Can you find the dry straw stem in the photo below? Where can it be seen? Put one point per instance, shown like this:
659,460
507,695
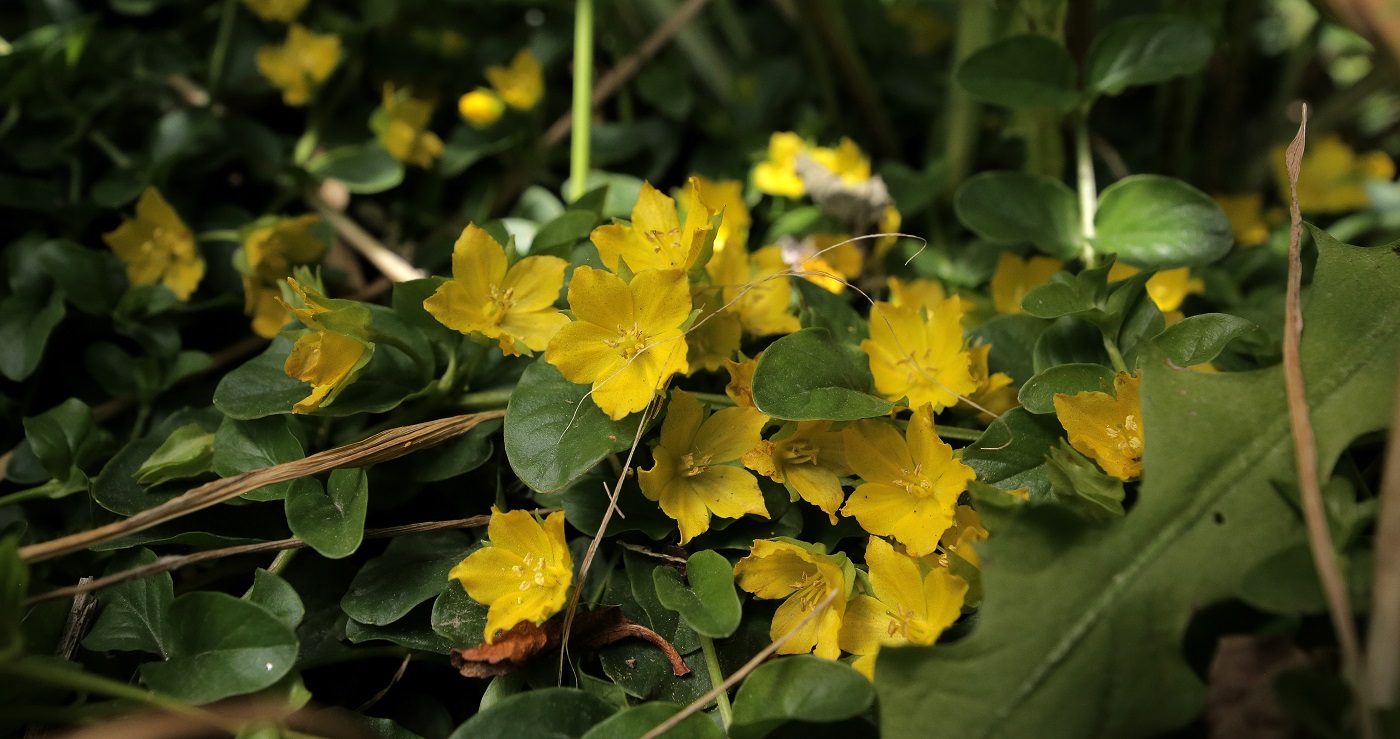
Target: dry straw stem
1383,640
382,257
1329,571
381,447
740,673
168,564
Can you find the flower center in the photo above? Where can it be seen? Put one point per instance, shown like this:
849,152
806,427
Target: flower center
692,466
909,625
914,482
664,239
629,342
500,305
799,451
1128,437
810,591
538,572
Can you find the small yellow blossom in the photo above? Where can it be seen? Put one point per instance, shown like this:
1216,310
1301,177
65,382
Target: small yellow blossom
809,459
828,260
401,125
1015,277
910,483
481,107
756,289
918,353
1168,288
330,355
300,64
890,221
696,472
284,11
1106,428
995,391
512,304
271,248
523,574
725,196
845,161
966,531
1333,176
777,175
626,339
740,387
803,577
520,85
1246,214
905,607
157,247
655,238
717,332
915,293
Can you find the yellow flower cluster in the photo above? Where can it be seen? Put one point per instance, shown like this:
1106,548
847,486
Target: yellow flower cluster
300,64
401,125
157,247
271,248
520,85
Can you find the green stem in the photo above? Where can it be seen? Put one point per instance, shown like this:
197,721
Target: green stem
220,53
143,415
486,400
832,25
957,432
223,234
731,26
726,714
1088,188
112,151
281,561
714,399
1114,355
35,493
976,22
583,99
48,672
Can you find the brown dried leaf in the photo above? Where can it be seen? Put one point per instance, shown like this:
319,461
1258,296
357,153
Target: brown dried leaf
512,649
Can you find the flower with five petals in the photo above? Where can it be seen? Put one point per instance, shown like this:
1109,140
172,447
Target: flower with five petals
905,606
521,84
918,353
300,64
809,459
803,576
656,239
523,574
158,247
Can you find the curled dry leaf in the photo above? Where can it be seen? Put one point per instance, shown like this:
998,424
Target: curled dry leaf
598,628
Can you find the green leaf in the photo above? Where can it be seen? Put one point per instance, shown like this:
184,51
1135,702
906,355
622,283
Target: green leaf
557,238
261,387
116,489
1069,295
1285,582
1105,658
1068,340
1038,394
26,322
585,503
1013,338
135,614
187,452
411,570
468,145
243,446
456,456
553,434
1158,222
1198,339
810,375
1145,50
1021,72
331,522
222,647
822,308
710,604
458,618
65,440
638,720
799,688
363,168
1018,208
1081,486
1011,453
551,713
278,597
413,631
88,278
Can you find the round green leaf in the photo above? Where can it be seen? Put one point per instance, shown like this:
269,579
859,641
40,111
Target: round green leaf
1017,208
1021,72
710,604
638,720
1145,50
363,168
554,434
809,375
222,647
1161,223
458,618
1011,453
243,446
800,688
331,522
552,713
278,597
1038,394
411,570
1198,339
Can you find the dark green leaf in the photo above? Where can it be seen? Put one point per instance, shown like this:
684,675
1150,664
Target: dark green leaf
243,446
89,279
1079,484
557,238
821,308
26,321
810,375
116,488
554,434
261,387
709,604
411,570
1067,340
187,452
1038,394
1017,208
1021,72
1285,582
551,713
1161,223
585,501
468,145
638,720
1013,339
222,647
331,522
1145,50
1011,454
458,618
277,597
412,631
65,439
1068,295
457,456
799,688
363,168
1198,339
136,614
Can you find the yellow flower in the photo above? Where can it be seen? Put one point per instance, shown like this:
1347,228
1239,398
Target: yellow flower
740,387
330,355
756,289
1246,214
915,293
845,161
918,353
300,64
725,196
655,238
803,576
1168,288
1333,176
1106,428
270,249
695,473
157,247
1015,277
910,484
716,334
521,84
828,260
523,574
966,530
890,221
512,304
995,391
285,11
626,339
481,107
904,607
777,175
809,459
401,125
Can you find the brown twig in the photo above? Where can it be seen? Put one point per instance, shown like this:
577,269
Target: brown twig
381,447
1324,553
386,260
1383,638
609,83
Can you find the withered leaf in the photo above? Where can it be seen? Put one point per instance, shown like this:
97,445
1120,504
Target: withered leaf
512,650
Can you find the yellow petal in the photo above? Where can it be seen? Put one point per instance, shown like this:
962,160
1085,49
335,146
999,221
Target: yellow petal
866,626
773,567
602,298
818,486
535,282
534,329
886,510
820,635
895,577
517,532
662,299
729,433
683,418
478,262
729,492
875,451
490,574
580,354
